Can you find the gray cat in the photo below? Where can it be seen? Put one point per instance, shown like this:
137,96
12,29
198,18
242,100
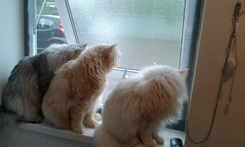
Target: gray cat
30,79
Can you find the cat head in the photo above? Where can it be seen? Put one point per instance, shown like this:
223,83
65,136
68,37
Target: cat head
58,54
183,72
165,87
110,55
171,78
104,55
75,50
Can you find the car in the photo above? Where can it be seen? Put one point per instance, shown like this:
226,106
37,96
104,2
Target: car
49,30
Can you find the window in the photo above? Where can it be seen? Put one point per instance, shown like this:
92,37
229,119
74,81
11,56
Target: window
209,67
147,31
49,28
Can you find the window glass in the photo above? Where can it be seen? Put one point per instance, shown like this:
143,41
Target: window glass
147,30
49,7
49,29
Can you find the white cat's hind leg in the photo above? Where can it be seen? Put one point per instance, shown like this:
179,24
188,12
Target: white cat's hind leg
145,135
133,142
155,135
89,120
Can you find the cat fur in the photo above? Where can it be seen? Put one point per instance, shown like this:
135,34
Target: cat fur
30,79
74,93
138,106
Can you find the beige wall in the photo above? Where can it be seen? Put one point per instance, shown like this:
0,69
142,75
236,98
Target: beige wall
229,125
12,37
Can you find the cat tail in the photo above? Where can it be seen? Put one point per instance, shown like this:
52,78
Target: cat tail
7,118
103,138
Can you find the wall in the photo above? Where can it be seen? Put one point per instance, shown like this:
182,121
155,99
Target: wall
228,129
12,37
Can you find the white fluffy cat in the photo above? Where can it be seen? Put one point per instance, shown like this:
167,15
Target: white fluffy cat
138,106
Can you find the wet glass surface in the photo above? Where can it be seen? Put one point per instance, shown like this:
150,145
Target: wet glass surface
147,30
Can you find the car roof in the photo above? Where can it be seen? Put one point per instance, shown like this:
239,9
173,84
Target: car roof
51,16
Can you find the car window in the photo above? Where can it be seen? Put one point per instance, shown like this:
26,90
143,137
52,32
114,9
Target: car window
45,23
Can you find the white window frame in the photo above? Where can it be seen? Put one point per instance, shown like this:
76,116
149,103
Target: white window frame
67,19
65,16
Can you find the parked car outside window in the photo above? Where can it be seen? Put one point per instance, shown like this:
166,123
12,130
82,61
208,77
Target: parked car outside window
49,30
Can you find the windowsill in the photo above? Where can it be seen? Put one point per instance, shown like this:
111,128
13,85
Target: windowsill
87,136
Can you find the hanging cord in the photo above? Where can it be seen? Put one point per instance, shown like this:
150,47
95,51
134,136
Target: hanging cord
231,46
234,52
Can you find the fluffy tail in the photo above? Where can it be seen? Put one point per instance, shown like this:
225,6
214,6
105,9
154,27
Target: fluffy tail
8,118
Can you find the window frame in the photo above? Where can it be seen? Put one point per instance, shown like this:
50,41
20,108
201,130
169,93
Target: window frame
30,39
67,21
191,27
204,87
189,45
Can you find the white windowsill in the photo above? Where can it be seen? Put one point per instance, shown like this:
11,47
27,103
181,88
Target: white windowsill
87,136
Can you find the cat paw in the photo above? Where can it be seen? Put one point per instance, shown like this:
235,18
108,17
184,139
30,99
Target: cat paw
159,140
36,119
77,130
91,124
97,116
149,142
133,142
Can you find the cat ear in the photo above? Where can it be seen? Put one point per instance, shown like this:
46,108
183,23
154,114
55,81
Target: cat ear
85,46
183,72
155,64
78,52
113,47
82,48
